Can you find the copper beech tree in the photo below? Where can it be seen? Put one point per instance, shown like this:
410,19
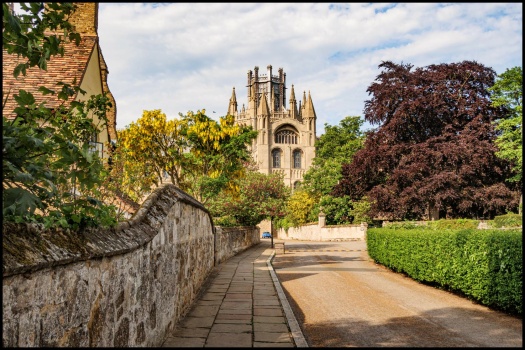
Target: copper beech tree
433,152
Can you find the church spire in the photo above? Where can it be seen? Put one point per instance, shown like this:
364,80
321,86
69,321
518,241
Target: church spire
232,108
293,105
252,106
309,111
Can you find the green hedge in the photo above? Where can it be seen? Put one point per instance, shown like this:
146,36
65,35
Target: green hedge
454,224
484,265
508,220
442,224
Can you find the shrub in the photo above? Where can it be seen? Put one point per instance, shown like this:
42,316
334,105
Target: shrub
454,224
225,221
484,265
508,220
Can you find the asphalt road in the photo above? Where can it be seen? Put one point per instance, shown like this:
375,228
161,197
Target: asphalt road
341,298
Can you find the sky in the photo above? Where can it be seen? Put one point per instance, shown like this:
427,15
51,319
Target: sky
180,57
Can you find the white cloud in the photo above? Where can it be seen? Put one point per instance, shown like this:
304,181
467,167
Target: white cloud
187,56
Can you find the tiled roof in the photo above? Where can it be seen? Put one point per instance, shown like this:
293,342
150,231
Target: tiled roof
59,68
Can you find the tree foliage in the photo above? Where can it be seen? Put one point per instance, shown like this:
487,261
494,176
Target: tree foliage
300,208
50,174
152,149
336,146
23,35
194,152
336,209
260,197
218,154
434,147
508,92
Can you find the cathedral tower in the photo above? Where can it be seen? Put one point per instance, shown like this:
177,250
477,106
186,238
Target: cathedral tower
286,134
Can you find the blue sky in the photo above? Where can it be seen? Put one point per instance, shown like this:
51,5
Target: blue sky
180,57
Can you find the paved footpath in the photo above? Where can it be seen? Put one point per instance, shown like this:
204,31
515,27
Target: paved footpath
242,305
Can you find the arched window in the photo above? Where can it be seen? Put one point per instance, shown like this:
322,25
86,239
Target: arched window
287,135
296,185
276,158
297,159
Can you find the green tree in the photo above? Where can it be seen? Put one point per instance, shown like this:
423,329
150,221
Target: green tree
508,92
49,173
336,146
218,153
260,197
336,209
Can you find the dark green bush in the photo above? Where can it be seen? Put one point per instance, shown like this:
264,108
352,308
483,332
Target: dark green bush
484,265
508,220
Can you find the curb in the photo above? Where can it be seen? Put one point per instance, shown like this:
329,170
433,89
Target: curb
300,341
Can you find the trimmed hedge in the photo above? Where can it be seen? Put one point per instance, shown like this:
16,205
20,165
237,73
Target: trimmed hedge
484,265
454,224
508,220
442,224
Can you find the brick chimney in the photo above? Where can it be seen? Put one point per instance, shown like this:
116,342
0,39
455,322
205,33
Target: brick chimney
85,18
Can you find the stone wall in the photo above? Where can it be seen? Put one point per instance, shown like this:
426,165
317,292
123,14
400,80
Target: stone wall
230,241
316,232
120,287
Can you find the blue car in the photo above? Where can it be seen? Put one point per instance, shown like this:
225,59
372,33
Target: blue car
267,235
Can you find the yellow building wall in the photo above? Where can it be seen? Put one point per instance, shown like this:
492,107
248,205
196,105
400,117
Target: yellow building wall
92,84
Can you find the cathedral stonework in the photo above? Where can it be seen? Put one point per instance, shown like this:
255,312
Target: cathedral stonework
286,134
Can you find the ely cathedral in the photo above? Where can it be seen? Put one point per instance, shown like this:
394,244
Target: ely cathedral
286,132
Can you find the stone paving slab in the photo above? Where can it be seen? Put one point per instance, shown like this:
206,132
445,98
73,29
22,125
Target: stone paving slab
259,311
176,342
257,344
230,340
195,332
273,337
205,310
235,312
269,319
231,328
270,327
205,322
266,302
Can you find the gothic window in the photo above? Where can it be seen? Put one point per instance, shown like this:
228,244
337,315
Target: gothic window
276,158
297,159
286,136
296,185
